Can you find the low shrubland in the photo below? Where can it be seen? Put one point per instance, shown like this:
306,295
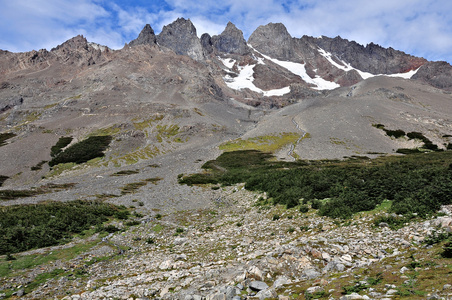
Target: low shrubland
81,152
26,227
416,183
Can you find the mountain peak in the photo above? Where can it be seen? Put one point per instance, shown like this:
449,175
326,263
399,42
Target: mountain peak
274,40
180,36
146,37
231,40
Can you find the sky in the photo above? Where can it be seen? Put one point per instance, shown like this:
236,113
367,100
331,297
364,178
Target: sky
418,27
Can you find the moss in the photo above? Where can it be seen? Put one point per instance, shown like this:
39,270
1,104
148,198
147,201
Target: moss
166,132
142,125
268,143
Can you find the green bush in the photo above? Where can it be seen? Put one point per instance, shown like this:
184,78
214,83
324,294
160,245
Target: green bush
81,152
27,227
62,142
4,137
304,208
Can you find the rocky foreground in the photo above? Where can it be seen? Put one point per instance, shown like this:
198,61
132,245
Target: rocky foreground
241,251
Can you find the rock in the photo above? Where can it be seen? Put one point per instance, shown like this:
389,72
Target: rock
180,241
217,296
9,103
391,292
314,289
316,253
334,265
280,281
326,256
167,264
206,43
403,270
268,293
230,41
254,273
180,36
20,293
438,74
258,285
273,40
447,287
434,297
352,296
383,224
311,273
146,37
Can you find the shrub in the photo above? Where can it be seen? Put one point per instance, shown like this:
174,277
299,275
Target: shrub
275,217
304,208
62,142
81,152
4,137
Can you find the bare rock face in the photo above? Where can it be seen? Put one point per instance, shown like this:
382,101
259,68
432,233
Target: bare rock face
206,42
230,41
438,74
146,37
180,36
274,40
371,58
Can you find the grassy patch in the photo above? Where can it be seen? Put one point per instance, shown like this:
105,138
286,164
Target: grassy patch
268,143
125,172
166,132
9,268
134,186
44,189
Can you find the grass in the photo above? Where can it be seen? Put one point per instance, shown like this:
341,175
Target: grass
24,262
142,125
134,186
166,132
268,143
125,172
44,189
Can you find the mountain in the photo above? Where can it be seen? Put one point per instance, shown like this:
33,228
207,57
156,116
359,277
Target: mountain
83,121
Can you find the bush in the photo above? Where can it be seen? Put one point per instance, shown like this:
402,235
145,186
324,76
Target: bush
304,208
62,142
81,152
27,227
275,217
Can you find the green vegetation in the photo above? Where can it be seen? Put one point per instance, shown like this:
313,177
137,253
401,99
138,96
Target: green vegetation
83,151
134,186
4,137
165,132
269,143
27,227
125,172
416,183
38,165
428,145
44,189
62,142
3,179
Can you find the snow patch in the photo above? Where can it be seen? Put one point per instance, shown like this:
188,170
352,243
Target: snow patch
227,62
300,70
245,79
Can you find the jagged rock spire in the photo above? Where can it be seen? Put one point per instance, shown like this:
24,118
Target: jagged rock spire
146,37
231,40
180,36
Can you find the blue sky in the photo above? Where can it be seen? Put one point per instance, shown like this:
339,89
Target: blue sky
418,27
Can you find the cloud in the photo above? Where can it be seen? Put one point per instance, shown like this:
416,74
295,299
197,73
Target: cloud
418,27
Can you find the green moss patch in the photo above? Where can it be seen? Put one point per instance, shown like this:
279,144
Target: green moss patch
268,143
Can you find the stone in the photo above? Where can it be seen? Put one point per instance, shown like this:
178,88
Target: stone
352,296
230,41
254,273
447,287
258,285
180,241
217,296
311,273
165,265
180,36
146,37
268,293
280,281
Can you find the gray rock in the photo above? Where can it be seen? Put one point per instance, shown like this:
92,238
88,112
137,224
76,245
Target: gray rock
268,293
217,296
180,36
230,41
258,285
146,37
311,273
280,281
273,40
334,265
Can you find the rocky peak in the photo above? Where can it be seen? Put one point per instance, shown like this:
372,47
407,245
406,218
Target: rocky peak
180,36
146,37
373,58
231,40
76,43
273,39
